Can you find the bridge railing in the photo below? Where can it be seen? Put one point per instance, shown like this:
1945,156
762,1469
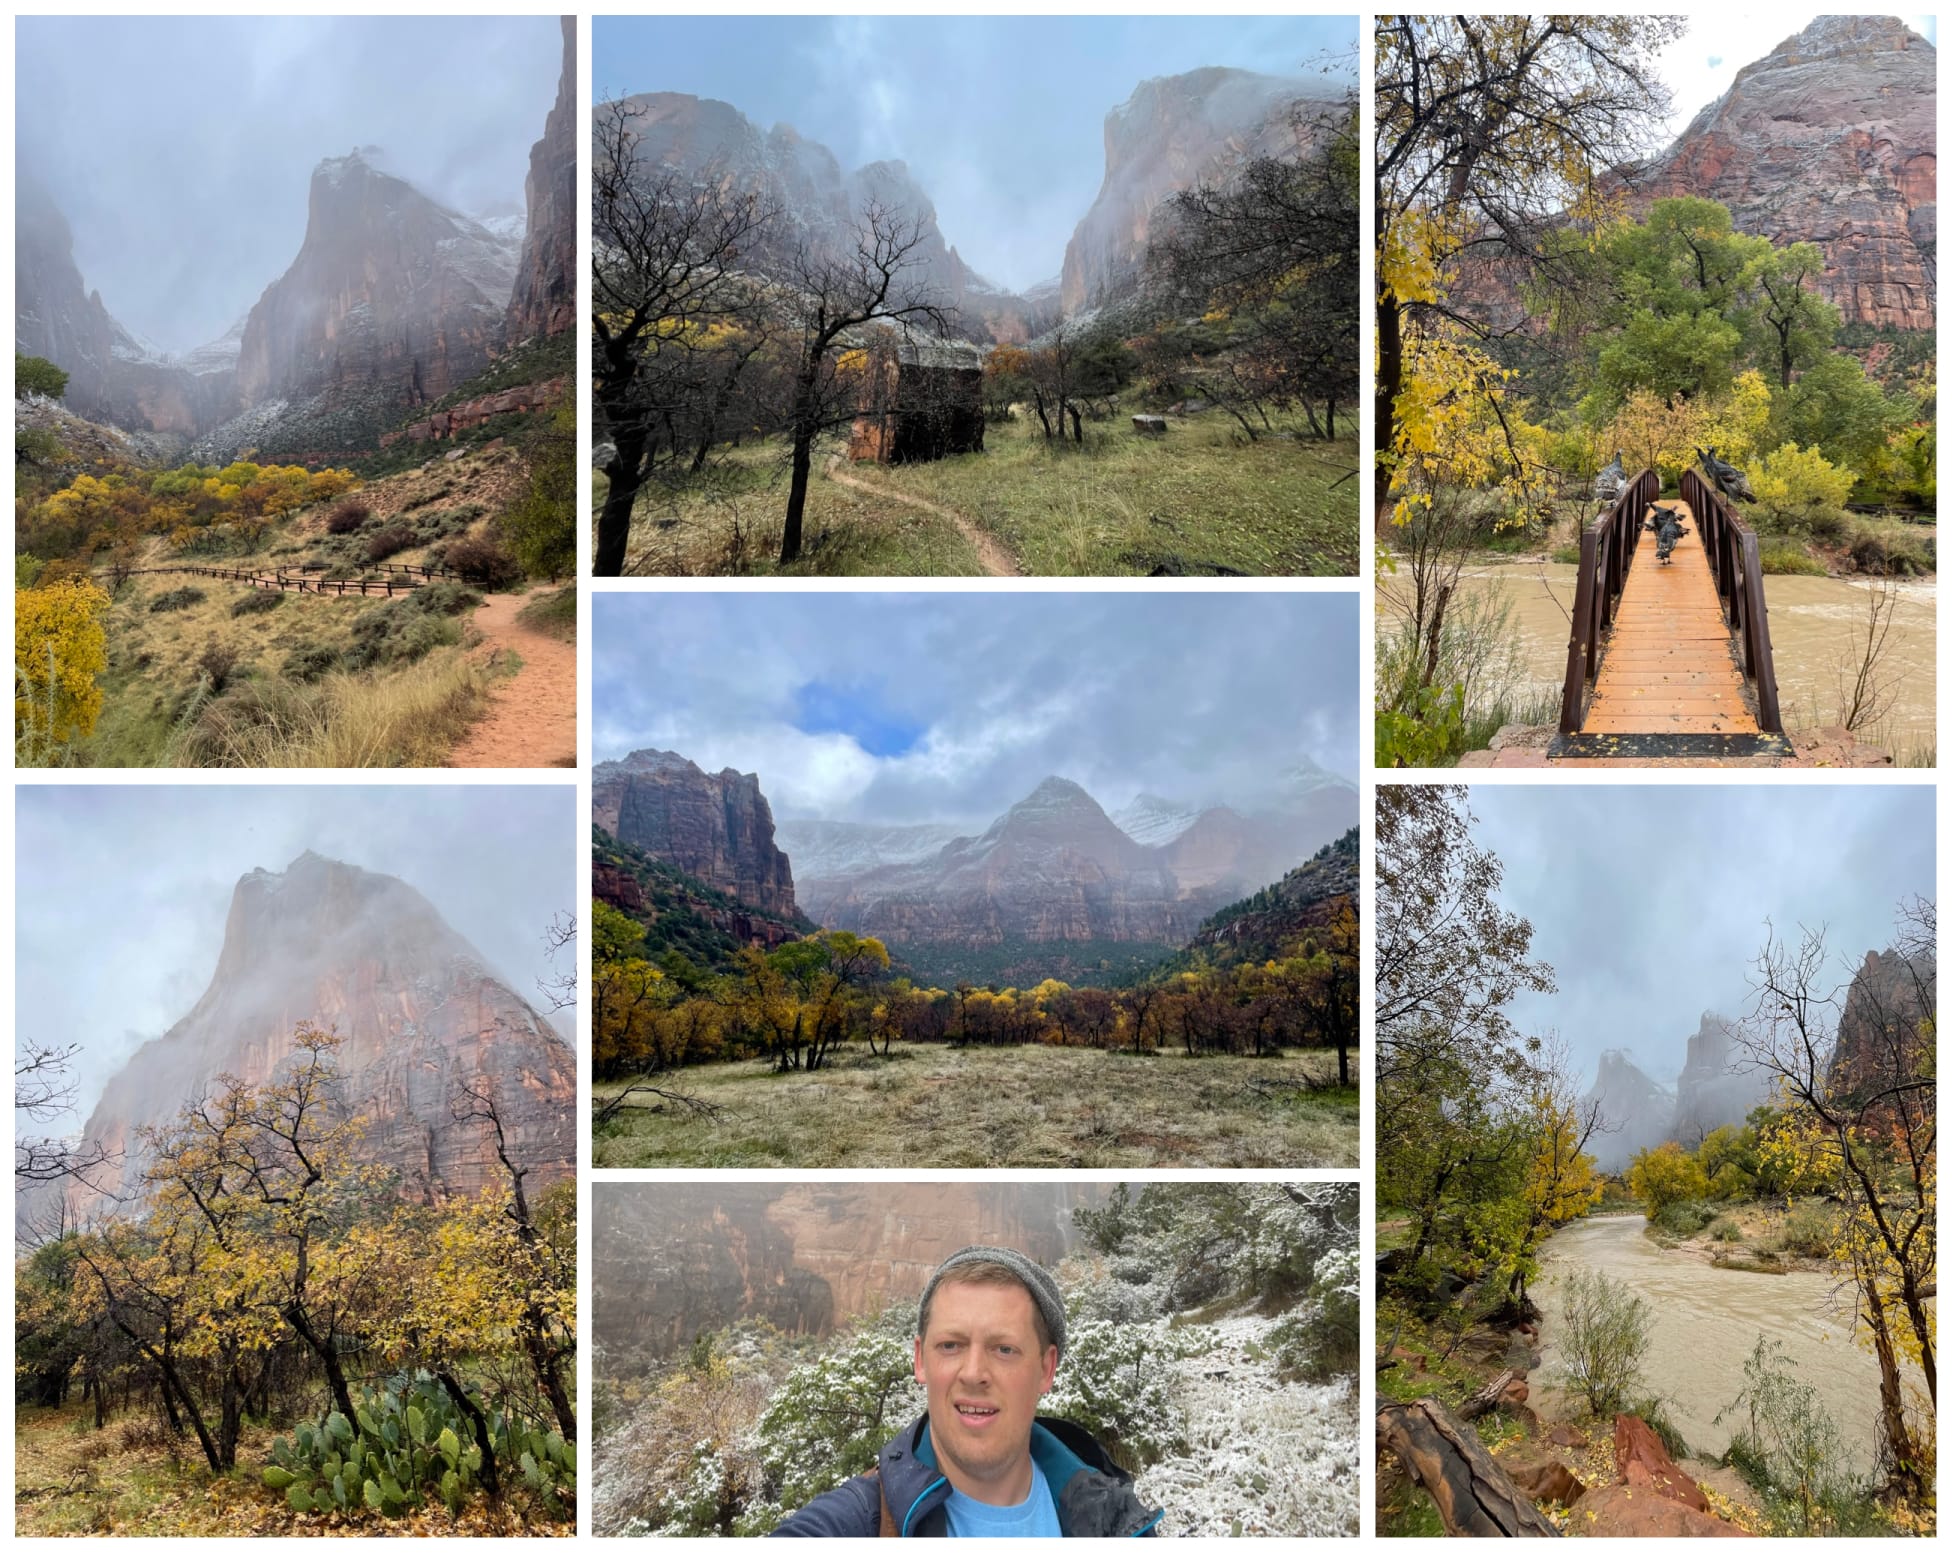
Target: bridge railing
1606,551
1735,559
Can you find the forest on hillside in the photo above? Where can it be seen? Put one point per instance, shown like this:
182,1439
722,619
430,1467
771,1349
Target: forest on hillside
1213,1335
258,1336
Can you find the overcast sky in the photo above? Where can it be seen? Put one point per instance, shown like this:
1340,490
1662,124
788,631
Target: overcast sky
1650,903
181,149
1001,119
1701,65
121,892
949,707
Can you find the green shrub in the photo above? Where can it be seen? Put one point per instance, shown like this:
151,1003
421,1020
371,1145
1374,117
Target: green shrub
405,629
1685,1218
259,601
175,599
1323,1339
217,663
38,375
1605,1339
1786,558
1727,1231
1809,1230
1788,1444
311,662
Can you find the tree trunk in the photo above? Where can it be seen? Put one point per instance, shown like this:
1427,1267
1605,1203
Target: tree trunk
804,430
328,1355
1472,1492
547,1364
1389,384
626,480
1077,424
490,1478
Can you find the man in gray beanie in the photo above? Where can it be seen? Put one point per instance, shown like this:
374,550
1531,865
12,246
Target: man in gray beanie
981,1463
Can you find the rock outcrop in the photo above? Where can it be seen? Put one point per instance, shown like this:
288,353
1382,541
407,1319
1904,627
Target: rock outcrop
1883,1033
1831,138
1171,133
477,412
616,885
544,301
675,1261
418,1015
718,829
1635,1112
390,292
1718,1086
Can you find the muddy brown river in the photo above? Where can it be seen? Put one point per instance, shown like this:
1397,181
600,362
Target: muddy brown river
1812,621
1706,1321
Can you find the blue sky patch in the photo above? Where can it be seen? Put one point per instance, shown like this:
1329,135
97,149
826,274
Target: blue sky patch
857,711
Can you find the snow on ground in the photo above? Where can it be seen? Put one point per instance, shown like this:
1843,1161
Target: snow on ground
1266,1458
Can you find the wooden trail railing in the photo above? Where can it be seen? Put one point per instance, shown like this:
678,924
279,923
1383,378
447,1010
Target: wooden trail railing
1606,552
281,579
1735,559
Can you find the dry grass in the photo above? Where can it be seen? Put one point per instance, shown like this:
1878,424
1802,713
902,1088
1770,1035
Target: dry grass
410,717
1031,1106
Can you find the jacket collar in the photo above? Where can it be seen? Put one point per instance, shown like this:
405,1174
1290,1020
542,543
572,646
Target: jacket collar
916,1488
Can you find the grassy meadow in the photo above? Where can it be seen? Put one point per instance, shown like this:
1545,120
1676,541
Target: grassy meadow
1200,501
1017,1106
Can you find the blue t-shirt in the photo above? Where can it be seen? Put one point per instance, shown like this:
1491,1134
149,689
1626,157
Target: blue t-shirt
1035,1517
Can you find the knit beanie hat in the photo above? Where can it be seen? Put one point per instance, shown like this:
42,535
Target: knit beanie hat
1038,1284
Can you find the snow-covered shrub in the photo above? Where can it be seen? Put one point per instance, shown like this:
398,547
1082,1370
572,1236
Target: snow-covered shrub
1115,1379
830,1418
1322,1337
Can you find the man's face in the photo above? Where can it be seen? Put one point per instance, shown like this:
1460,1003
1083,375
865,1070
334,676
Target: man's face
985,1373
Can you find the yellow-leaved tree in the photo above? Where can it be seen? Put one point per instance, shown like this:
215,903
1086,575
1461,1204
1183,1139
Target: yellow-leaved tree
59,647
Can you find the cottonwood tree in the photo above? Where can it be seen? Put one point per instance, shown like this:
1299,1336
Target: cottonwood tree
1451,1071
667,291
1863,1113
884,281
1491,131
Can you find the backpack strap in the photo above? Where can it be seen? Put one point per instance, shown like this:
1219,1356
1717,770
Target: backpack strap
888,1526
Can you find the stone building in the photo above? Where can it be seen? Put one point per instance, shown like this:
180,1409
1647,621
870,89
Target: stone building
917,403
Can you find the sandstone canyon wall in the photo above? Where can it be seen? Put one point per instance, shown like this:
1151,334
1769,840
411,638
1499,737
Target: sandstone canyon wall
717,828
417,1012
1831,138
673,1261
1171,133
544,301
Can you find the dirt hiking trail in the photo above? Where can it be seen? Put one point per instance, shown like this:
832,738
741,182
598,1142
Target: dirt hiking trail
531,718
997,561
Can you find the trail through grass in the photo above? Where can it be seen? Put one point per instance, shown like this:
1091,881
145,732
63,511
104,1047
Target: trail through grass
1200,501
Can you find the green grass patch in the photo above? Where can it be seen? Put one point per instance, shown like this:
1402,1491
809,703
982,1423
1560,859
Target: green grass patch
1201,501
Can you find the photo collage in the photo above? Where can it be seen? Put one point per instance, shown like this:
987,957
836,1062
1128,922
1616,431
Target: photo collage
1011,775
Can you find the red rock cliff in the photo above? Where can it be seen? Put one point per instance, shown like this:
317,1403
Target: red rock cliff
417,1012
1831,138
718,829
674,1261
545,280
389,291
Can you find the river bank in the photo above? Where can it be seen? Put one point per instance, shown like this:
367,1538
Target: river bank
1705,1319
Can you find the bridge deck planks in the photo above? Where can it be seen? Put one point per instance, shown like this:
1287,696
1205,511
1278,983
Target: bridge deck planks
1670,664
